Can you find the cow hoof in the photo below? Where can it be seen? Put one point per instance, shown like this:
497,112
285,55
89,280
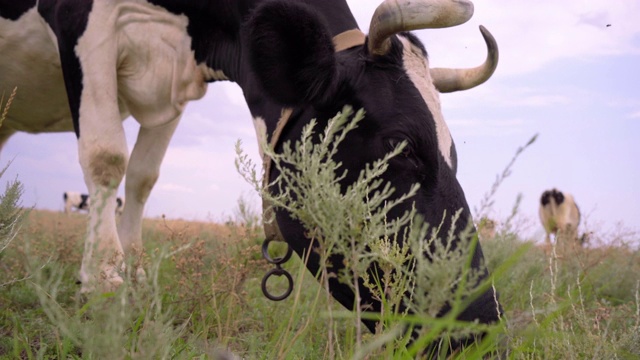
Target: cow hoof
141,276
108,281
112,283
111,279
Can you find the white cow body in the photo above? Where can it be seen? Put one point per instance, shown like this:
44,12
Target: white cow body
37,75
486,228
559,215
75,201
128,48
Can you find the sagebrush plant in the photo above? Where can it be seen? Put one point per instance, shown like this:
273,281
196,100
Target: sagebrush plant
11,213
203,293
11,217
353,222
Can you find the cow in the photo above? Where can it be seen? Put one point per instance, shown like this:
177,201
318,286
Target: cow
75,200
85,65
78,201
560,216
119,205
486,228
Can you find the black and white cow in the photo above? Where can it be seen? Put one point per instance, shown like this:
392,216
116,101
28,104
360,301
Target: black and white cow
75,200
84,65
559,216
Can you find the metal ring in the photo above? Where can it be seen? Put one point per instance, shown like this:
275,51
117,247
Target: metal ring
278,260
278,272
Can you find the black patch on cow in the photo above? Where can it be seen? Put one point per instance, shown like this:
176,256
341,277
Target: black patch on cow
291,50
545,198
68,20
14,9
84,198
119,202
213,27
558,196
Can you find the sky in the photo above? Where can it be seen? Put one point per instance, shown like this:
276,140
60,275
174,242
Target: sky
569,71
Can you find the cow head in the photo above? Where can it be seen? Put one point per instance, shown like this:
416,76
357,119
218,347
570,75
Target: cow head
296,63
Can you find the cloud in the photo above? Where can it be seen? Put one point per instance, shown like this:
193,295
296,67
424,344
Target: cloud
541,100
634,115
174,188
486,127
234,93
530,35
598,19
503,96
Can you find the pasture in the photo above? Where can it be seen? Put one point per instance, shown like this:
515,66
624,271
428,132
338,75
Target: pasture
203,295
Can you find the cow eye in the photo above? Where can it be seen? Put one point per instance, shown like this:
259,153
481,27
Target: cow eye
393,143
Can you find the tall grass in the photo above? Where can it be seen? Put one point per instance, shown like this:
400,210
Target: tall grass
6,105
202,298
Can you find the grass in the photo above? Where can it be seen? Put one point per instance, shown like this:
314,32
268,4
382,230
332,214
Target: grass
203,298
576,305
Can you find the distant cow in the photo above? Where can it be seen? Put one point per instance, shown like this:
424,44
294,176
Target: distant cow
559,215
119,206
75,200
486,228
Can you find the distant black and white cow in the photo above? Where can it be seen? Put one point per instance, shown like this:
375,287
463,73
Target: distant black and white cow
486,228
84,65
75,200
559,215
119,206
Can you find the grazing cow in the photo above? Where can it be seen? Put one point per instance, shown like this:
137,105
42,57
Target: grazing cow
119,206
86,65
486,228
559,215
75,200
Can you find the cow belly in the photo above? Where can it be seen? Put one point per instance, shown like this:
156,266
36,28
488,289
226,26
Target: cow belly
157,72
29,61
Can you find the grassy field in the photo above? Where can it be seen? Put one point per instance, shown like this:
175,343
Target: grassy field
203,298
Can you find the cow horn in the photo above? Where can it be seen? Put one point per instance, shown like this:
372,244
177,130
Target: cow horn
394,16
450,80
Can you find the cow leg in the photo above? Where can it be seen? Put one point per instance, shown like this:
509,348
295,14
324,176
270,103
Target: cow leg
90,72
142,174
67,206
103,160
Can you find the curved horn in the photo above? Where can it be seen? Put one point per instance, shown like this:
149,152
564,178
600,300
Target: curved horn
450,80
394,16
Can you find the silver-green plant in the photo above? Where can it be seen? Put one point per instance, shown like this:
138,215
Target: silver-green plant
131,323
11,212
355,225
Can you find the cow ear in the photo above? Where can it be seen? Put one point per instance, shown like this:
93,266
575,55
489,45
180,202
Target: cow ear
291,53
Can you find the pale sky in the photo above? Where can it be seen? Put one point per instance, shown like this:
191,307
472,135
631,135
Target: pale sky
569,71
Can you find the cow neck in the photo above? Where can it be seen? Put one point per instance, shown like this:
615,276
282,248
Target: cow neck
343,41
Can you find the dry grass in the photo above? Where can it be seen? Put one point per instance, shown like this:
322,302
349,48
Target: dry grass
4,110
571,304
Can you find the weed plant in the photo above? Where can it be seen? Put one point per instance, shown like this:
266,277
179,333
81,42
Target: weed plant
354,225
202,296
